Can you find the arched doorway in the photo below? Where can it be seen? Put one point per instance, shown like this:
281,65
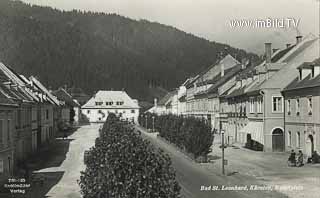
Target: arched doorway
278,140
309,146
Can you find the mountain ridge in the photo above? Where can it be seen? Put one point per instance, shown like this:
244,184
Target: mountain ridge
102,51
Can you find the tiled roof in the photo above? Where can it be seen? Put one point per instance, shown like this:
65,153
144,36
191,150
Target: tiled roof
308,81
63,95
111,96
52,99
167,97
6,99
307,50
281,53
228,61
230,73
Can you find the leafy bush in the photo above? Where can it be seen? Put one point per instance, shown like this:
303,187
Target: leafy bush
123,165
188,133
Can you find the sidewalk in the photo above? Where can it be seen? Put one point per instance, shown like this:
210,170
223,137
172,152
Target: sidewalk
270,168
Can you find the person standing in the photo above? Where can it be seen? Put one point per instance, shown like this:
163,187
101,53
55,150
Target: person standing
292,158
299,161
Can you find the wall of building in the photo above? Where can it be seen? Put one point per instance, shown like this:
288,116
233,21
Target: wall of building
304,124
7,135
100,115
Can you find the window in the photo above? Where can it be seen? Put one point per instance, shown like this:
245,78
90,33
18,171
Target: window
259,108
1,130
120,103
310,105
300,74
276,104
298,141
8,131
88,111
289,107
99,103
298,106
251,109
289,139
312,72
1,166
47,114
109,103
133,111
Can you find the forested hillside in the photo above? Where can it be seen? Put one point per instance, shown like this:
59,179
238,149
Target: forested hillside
101,51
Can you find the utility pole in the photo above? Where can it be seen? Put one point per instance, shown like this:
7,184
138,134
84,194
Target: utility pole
152,123
222,145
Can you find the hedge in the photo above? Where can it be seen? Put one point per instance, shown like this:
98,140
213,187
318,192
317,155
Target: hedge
123,165
188,133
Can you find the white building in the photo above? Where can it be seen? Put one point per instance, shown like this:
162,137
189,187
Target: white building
105,102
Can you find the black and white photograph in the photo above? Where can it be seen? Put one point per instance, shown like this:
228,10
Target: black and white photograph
159,98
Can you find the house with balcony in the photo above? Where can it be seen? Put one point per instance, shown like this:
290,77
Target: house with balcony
105,102
302,109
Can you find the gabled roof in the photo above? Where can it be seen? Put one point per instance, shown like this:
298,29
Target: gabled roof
63,95
220,80
228,62
9,75
164,100
5,98
111,96
44,90
306,50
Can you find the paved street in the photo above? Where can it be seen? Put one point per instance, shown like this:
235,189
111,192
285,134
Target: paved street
270,168
192,176
67,186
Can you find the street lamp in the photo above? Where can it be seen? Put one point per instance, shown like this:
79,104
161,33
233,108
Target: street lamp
141,120
153,123
222,145
146,121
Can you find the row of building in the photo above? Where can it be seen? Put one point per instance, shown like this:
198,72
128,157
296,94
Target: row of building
272,106
30,116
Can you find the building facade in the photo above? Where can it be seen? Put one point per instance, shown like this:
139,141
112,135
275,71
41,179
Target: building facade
105,102
302,109
7,136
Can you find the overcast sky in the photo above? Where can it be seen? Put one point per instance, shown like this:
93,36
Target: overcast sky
211,18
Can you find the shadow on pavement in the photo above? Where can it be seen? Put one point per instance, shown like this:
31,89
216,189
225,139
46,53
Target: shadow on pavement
69,132
52,156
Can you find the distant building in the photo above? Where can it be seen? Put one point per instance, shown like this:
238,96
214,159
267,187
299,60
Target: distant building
203,91
78,94
302,109
71,109
166,105
105,102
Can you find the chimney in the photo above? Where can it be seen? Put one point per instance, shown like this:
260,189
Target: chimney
298,39
243,63
222,70
288,45
268,52
155,102
274,50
